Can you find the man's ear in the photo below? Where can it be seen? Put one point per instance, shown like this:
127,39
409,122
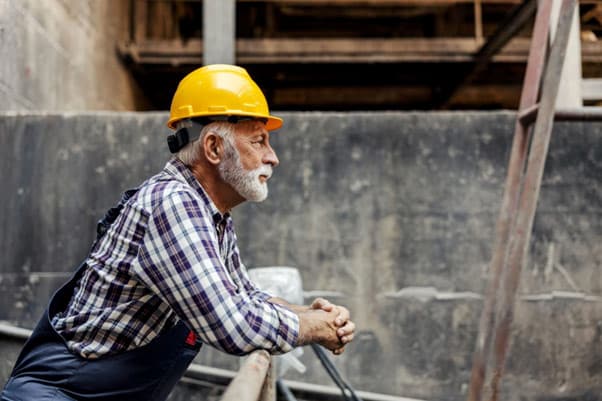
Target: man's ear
213,147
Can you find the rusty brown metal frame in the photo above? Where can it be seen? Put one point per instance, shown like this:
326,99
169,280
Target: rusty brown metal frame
521,193
529,115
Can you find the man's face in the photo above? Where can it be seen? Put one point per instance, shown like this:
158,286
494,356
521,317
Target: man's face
248,162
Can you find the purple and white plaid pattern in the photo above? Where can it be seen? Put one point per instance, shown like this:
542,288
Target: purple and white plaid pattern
171,255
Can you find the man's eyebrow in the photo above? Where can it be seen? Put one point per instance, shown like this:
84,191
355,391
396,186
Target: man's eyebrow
261,135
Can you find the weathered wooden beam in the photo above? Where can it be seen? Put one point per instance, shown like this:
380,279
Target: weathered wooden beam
389,2
402,95
383,2
248,383
267,51
140,20
478,20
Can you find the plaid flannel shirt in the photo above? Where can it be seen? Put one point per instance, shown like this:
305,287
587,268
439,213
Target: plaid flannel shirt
171,255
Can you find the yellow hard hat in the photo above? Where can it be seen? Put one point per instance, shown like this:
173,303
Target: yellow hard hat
220,90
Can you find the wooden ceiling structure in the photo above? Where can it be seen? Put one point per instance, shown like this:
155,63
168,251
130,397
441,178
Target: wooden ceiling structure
357,54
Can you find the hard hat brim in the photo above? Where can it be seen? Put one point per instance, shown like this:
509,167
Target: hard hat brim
272,122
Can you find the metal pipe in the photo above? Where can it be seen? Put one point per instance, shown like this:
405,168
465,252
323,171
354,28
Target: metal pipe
208,373
11,331
285,391
200,374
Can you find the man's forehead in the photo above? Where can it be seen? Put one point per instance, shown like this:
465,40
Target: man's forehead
251,127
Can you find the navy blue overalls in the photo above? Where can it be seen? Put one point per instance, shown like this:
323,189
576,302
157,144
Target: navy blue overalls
47,370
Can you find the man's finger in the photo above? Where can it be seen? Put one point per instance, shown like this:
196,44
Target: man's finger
343,316
348,328
347,339
321,303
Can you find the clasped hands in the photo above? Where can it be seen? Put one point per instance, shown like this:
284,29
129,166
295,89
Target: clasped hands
338,319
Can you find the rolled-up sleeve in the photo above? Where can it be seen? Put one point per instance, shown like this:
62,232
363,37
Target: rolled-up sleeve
179,260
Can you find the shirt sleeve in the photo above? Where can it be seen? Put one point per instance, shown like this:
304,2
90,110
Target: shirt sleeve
179,260
243,275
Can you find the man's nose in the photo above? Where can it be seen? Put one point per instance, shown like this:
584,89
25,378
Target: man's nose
270,157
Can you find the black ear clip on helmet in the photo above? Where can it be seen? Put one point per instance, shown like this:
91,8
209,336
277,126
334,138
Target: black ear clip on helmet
178,140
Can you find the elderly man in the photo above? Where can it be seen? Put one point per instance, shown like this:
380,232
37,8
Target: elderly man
164,275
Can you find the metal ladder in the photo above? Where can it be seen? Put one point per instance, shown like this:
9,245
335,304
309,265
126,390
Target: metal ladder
533,128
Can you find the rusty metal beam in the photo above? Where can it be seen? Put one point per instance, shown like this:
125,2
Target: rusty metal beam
529,115
520,237
530,92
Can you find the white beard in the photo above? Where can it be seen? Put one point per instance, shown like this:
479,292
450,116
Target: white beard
246,183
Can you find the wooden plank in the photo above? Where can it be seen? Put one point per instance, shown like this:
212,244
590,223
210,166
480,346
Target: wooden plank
402,95
248,382
342,50
388,2
344,96
140,20
382,2
478,20
163,25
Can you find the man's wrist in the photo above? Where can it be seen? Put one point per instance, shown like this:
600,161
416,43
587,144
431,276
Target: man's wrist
292,307
309,331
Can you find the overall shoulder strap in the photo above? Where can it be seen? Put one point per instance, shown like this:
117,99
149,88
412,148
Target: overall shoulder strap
111,215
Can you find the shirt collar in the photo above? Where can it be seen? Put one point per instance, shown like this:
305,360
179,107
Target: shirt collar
176,168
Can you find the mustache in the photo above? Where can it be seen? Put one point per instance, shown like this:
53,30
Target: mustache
266,170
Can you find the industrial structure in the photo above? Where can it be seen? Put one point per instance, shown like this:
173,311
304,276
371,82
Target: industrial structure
353,54
389,191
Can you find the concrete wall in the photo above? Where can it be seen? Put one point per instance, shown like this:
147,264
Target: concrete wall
374,209
60,55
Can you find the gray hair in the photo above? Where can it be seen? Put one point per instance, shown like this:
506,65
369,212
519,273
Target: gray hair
191,153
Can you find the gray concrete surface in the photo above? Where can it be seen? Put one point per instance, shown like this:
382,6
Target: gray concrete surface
61,55
391,214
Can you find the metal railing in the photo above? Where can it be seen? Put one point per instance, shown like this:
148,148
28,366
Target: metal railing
255,380
263,374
